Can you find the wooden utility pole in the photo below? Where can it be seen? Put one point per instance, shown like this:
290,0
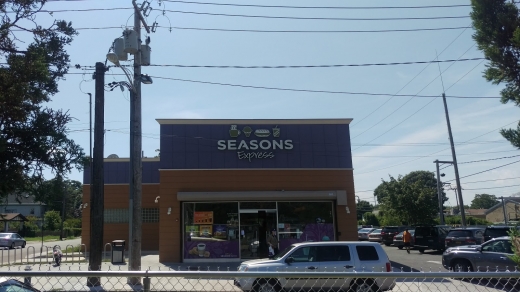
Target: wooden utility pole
97,182
136,163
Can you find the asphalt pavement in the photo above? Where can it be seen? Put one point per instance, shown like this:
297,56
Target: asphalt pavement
415,261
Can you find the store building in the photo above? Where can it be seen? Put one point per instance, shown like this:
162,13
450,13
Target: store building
221,186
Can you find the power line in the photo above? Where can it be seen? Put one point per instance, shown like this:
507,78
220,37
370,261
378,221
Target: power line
313,66
308,90
409,156
493,188
486,170
318,18
489,159
473,182
320,7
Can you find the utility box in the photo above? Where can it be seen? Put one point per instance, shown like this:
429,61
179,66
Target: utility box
118,252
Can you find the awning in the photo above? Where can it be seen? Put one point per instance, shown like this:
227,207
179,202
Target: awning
338,195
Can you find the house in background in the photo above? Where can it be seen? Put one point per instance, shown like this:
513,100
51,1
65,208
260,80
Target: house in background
495,214
23,204
476,213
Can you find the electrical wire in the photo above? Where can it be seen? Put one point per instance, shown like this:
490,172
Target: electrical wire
492,188
319,7
473,182
313,66
482,160
485,170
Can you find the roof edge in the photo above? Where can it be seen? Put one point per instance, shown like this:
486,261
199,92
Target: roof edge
254,121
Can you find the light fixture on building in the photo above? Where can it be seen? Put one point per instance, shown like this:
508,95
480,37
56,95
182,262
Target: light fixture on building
169,210
347,209
157,199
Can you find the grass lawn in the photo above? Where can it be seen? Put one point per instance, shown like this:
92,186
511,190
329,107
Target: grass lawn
45,238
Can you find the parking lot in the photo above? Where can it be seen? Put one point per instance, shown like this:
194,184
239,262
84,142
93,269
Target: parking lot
414,261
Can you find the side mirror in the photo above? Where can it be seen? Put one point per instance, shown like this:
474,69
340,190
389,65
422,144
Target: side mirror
479,248
289,260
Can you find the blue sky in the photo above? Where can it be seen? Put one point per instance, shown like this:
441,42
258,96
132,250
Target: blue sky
391,135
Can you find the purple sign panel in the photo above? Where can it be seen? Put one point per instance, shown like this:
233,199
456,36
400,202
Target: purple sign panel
240,145
210,249
312,232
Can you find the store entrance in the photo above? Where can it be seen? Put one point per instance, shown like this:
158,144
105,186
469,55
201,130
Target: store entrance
254,229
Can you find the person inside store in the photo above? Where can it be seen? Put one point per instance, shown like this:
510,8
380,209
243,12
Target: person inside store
272,241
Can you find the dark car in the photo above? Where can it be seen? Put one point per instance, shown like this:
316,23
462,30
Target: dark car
388,233
493,255
496,231
464,236
15,285
430,237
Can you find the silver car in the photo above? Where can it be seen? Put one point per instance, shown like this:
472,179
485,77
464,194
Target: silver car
363,233
11,240
493,255
325,256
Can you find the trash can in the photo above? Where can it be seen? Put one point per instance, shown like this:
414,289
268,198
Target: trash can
118,252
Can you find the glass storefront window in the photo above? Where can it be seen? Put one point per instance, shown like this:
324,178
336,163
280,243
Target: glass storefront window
304,221
211,230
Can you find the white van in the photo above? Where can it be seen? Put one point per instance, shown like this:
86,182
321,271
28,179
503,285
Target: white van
327,256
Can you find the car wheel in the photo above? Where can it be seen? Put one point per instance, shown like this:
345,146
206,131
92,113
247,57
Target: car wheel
23,244
421,250
400,247
12,245
461,266
363,285
264,285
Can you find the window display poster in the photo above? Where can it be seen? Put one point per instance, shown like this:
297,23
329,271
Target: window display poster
220,231
211,249
206,230
203,217
193,230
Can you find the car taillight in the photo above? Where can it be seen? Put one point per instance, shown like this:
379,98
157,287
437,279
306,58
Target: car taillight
382,233
388,267
395,237
469,240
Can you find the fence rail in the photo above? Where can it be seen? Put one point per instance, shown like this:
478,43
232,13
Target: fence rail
41,255
264,281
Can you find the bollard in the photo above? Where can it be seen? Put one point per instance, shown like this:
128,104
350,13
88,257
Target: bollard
146,284
27,280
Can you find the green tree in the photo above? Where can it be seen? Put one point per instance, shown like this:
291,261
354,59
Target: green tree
497,33
362,207
411,199
33,137
52,220
484,201
55,192
370,218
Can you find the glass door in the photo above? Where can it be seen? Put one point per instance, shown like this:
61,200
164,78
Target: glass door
255,225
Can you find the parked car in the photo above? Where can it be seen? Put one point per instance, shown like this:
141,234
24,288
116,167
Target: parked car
375,236
430,237
398,239
11,240
363,233
495,231
324,256
464,236
15,286
389,232
493,254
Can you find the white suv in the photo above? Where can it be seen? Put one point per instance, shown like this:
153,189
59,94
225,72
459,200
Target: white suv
329,256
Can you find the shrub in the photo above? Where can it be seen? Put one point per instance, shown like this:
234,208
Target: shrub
52,220
72,223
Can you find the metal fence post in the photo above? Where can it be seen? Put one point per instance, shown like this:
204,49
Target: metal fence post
27,280
146,283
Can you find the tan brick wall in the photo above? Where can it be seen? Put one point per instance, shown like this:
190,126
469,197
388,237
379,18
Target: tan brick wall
246,180
116,197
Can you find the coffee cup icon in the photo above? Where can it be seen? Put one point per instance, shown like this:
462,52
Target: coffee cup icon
276,132
234,132
201,248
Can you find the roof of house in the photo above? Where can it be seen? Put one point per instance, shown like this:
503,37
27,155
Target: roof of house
12,217
19,199
499,205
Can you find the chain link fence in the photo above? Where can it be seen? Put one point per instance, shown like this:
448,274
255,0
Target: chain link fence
72,278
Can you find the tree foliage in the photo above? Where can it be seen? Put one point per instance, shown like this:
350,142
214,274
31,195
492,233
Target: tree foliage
497,33
52,192
370,218
411,199
52,220
33,60
362,207
484,201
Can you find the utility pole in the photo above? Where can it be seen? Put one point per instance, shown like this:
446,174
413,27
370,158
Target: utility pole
504,210
439,194
136,164
455,166
97,183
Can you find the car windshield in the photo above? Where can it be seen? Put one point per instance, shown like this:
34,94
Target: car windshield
376,231
390,229
496,232
366,230
460,233
282,253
